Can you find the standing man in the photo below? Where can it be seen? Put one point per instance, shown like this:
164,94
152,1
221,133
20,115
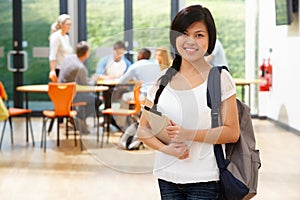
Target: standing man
74,70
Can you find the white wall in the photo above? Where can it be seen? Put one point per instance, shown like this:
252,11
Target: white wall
282,103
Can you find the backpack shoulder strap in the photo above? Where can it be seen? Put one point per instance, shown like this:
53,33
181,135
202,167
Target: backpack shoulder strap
214,93
214,102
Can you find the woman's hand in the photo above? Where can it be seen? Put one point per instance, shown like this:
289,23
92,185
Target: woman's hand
176,132
179,150
52,76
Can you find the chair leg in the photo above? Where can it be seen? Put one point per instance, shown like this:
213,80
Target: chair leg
98,127
27,128
80,140
45,136
11,131
51,125
75,135
58,131
108,127
4,125
44,131
67,128
31,131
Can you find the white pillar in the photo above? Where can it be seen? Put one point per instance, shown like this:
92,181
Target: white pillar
250,47
73,9
181,4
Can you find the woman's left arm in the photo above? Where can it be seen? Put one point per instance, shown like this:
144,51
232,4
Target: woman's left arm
227,133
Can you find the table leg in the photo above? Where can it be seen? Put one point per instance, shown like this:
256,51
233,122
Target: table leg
243,93
27,117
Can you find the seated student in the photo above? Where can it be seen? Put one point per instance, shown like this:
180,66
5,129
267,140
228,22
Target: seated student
163,57
113,66
144,70
73,69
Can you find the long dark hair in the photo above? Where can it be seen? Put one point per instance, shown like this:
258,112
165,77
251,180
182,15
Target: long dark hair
180,23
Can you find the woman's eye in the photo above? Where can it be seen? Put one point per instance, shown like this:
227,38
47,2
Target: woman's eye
199,35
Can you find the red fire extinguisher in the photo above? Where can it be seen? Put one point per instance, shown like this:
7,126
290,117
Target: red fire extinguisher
265,75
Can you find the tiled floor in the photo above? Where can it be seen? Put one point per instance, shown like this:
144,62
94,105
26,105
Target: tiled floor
65,172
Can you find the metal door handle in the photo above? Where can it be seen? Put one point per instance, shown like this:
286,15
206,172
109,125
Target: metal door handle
9,64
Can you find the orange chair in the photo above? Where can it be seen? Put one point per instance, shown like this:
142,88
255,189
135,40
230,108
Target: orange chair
74,105
132,112
61,95
13,112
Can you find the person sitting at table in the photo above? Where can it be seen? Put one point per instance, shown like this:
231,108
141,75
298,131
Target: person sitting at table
144,70
73,69
113,66
163,57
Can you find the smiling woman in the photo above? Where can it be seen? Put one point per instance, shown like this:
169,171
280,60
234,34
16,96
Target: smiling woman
188,161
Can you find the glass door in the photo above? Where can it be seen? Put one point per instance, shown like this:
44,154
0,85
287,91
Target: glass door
35,20
6,44
38,15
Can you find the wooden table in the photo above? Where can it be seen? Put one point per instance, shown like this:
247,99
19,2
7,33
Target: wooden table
111,84
107,95
243,83
44,89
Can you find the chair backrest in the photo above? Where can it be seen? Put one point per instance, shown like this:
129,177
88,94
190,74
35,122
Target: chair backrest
61,95
3,93
136,96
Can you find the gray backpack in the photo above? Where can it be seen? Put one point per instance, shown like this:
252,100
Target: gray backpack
242,159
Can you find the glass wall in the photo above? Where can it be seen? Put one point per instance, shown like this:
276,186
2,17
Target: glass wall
5,43
37,16
105,25
230,22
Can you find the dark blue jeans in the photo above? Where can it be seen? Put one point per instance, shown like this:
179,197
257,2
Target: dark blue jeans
189,191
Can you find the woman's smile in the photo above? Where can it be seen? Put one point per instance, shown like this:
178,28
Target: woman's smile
190,49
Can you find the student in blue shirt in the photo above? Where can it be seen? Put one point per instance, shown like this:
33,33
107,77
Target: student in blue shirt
115,65
144,70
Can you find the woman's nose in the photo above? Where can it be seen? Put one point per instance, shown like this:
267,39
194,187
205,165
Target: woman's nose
190,39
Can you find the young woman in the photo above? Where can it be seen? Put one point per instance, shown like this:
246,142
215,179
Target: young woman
186,168
163,57
60,45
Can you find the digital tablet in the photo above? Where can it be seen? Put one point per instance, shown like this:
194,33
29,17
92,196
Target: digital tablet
158,122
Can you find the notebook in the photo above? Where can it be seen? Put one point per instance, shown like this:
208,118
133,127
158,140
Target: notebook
158,122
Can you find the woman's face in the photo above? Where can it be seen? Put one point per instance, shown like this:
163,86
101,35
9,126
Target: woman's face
65,27
158,56
193,44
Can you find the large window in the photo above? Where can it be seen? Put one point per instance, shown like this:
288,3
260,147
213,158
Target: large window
105,25
37,17
230,22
